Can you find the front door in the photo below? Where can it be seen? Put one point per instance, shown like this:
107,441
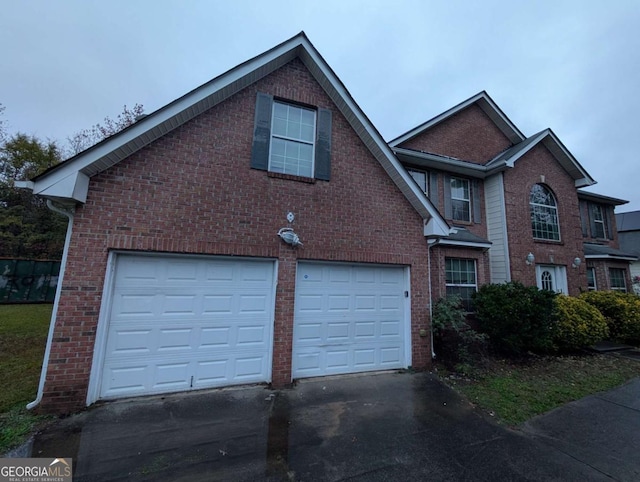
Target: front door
552,278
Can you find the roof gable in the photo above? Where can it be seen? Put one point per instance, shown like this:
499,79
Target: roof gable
484,102
68,181
549,140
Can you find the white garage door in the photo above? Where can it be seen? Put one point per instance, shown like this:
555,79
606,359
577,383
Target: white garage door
181,323
349,318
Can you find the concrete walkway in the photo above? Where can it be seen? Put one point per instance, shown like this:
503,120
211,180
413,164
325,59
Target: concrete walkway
373,427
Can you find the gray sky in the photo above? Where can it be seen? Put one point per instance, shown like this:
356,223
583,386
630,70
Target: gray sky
573,66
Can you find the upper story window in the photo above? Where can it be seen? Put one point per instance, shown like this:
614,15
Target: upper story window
421,178
293,131
460,199
544,213
291,139
598,221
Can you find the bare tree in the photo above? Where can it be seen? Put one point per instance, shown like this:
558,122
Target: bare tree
88,137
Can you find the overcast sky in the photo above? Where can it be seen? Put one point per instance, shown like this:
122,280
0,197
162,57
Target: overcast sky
573,66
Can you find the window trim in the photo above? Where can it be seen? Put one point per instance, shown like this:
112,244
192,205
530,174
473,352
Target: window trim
554,207
293,140
260,148
467,304
467,200
591,269
597,208
622,288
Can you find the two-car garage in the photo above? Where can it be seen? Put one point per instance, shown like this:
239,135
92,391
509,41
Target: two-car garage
175,323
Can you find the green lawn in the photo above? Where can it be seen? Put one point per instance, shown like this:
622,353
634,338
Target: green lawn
23,336
515,392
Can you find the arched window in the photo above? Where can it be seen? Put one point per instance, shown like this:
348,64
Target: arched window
544,213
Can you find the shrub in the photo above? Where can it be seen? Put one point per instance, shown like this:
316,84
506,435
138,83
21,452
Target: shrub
579,324
620,310
453,336
517,318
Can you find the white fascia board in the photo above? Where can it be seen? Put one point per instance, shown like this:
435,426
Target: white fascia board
585,175
585,182
432,161
482,96
74,187
464,244
24,185
165,114
433,228
608,256
374,141
436,120
512,160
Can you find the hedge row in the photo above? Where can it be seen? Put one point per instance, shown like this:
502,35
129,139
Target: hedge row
520,319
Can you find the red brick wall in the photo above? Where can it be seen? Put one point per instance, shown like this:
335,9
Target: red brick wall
193,192
603,282
438,256
468,135
518,183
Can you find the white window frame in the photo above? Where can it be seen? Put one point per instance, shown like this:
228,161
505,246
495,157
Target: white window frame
461,199
558,276
462,285
293,140
597,209
595,283
540,209
622,289
423,187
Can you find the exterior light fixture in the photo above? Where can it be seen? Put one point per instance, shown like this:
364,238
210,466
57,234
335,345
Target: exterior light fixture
530,259
289,237
576,262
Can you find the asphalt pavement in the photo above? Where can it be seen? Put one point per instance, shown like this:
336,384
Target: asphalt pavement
389,426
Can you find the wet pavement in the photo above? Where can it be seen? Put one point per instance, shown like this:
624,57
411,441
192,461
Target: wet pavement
391,426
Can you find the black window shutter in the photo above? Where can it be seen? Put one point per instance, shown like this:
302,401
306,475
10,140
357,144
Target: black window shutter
584,218
448,211
433,188
475,199
262,132
323,145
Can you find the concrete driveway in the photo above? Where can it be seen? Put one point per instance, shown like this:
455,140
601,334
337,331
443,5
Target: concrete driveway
388,426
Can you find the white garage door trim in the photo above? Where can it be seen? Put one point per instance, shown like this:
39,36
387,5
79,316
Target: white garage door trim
100,354
323,344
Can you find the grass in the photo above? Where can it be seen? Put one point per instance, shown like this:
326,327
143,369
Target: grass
23,336
515,392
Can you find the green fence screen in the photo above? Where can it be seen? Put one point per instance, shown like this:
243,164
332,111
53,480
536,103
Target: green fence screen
28,281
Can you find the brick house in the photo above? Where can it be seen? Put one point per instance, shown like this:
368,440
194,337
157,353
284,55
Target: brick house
183,267
515,202
175,277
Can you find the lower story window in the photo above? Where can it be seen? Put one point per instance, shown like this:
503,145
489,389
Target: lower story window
461,279
591,279
617,278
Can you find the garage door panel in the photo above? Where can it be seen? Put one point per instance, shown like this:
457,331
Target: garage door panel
364,358
365,303
175,339
177,324
171,376
348,318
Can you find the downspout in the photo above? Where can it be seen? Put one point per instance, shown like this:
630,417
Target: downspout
52,324
430,244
